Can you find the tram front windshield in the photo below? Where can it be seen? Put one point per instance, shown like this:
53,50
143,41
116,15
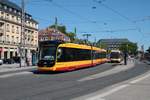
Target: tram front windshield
114,55
48,53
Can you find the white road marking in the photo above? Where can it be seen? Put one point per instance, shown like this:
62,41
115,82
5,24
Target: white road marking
14,74
101,96
109,72
140,79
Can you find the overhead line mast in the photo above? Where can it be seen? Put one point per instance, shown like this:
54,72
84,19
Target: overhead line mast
22,38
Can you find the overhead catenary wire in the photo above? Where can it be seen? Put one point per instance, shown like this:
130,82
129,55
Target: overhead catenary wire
75,14
82,17
95,22
120,14
113,10
112,31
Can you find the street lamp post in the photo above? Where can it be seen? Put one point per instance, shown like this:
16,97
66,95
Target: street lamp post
125,54
87,37
22,37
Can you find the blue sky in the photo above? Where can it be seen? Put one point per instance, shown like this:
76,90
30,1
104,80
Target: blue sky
101,18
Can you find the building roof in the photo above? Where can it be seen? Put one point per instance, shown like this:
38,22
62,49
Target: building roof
16,7
114,40
51,33
10,4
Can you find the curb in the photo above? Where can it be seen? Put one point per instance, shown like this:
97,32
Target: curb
18,69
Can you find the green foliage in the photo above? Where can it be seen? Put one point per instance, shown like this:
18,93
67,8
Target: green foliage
61,28
102,45
129,47
80,41
72,36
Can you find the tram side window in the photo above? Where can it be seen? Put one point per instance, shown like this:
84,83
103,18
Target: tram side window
82,54
95,55
103,54
65,54
71,54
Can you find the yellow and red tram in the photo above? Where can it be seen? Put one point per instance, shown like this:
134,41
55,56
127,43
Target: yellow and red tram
59,56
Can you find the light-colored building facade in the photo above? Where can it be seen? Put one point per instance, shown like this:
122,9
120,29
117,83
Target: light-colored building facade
10,31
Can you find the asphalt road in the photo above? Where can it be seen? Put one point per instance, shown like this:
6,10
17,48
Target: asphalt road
67,85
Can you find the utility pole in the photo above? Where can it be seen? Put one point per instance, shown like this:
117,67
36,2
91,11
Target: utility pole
95,41
75,30
87,37
56,24
142,52
22,37
56,28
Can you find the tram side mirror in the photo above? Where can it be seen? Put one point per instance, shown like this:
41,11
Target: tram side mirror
59,53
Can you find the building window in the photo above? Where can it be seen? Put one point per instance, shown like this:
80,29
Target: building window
17,39
32,24
15,11
26,31
32,38
18,19
0,5
7,38
8,28
1,39
12,17
5,7
12,39
17,30
13,29
35,42
2,14
7,16
19,13
10,9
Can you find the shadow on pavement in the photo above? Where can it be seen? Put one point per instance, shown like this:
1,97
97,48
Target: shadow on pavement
59,72
45,72
67,71
116,64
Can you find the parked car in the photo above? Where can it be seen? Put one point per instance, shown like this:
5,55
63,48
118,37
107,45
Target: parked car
1,61
9,61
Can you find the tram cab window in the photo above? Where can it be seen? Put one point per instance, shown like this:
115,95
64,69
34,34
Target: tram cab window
48,53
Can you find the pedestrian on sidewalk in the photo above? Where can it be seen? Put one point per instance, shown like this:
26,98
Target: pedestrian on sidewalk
27,61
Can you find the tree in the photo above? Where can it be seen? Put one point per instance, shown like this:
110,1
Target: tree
79,41
129,47
102,45
72,36
61,28
148,50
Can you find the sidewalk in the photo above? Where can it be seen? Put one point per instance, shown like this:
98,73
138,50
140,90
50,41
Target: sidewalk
135,88
14,67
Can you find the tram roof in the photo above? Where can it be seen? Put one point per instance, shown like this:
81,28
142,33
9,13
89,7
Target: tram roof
70,45
78,46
